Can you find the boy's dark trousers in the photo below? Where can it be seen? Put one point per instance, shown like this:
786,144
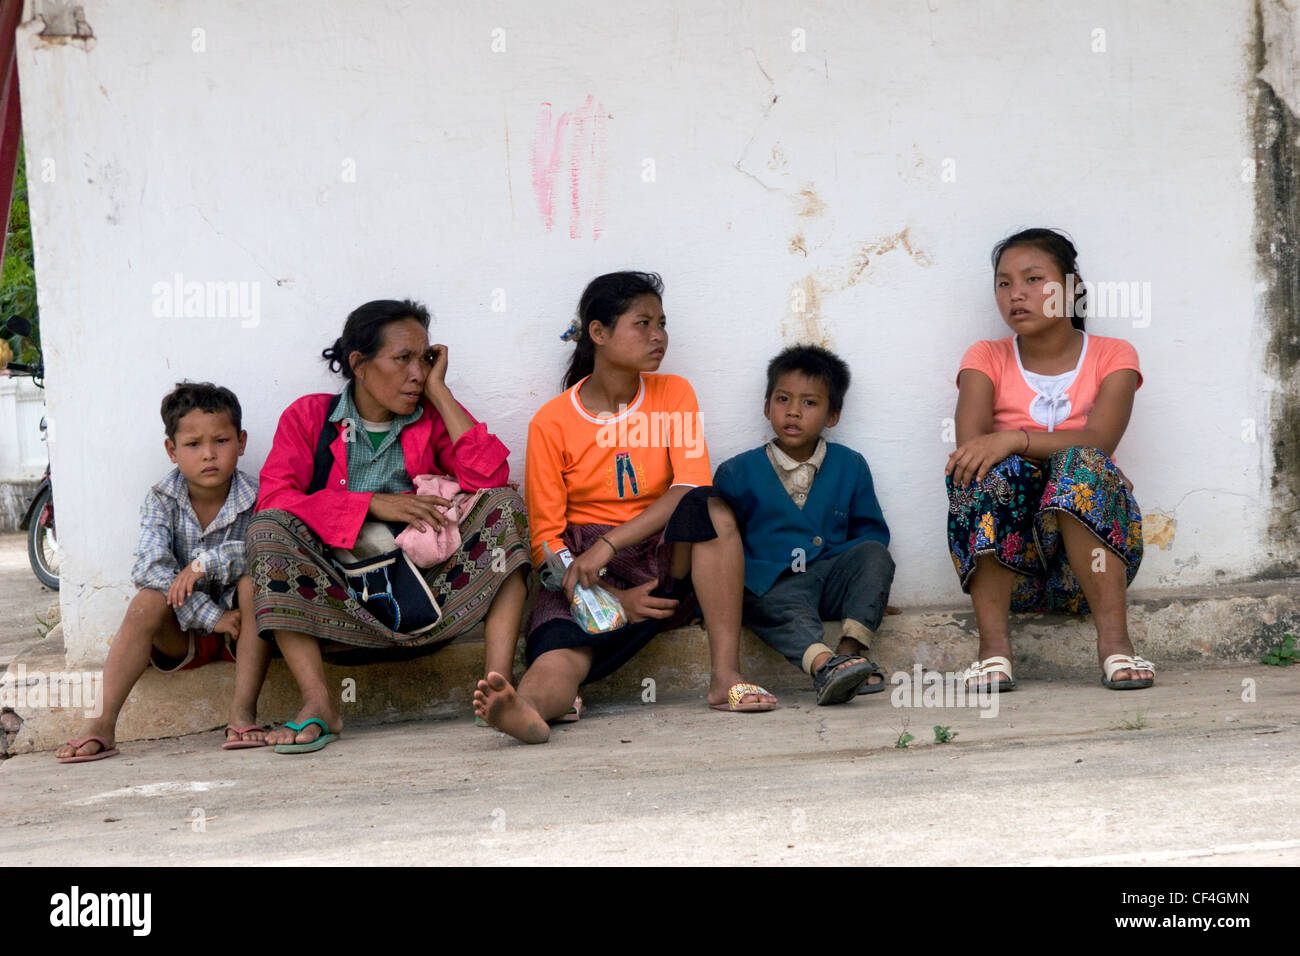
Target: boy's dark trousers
853,584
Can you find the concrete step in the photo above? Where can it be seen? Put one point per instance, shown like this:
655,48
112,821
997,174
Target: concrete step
1231,624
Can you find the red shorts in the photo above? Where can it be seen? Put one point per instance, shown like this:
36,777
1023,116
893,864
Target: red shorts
204,649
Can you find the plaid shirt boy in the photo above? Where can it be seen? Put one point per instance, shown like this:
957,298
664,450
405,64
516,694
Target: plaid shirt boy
171,537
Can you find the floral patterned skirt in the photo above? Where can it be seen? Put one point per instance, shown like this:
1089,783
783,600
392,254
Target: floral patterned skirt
1012,515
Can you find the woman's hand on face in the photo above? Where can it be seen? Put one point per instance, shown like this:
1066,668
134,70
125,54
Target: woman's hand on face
971,461
586,568
419,511
436,357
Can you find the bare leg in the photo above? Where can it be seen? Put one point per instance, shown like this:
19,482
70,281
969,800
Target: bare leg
149,622
501,627
302,654
990,593
718,572
252,655
545,693
1103,578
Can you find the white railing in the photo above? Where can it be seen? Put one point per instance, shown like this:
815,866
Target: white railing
22,453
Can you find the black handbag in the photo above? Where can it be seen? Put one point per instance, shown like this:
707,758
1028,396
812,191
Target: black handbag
376,572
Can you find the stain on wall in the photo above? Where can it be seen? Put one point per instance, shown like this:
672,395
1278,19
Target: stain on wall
1158,530
867,251
1274,103
807,204
803,324
63,22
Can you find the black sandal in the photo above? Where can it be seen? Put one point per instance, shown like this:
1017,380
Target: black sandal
834,684
866,688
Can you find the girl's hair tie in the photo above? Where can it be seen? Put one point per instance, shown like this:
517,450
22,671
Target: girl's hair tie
573,331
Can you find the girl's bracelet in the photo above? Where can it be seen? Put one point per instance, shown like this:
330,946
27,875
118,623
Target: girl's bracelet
1026,451
610,543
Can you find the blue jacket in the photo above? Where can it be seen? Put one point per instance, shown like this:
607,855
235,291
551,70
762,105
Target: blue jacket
840,512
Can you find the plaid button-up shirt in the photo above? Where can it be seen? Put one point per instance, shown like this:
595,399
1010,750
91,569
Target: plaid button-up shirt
171,537
383,469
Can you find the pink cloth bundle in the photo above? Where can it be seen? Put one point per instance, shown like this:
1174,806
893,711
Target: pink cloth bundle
435,545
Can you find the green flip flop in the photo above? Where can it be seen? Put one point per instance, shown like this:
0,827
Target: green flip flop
319,743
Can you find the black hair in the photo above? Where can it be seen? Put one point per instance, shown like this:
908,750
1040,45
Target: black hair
604,300
1063,253
187,397
814,362
364,330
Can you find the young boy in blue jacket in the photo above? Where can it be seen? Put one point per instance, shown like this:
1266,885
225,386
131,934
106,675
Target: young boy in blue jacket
816,543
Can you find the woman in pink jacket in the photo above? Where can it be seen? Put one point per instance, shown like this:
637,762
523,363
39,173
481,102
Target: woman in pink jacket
340,472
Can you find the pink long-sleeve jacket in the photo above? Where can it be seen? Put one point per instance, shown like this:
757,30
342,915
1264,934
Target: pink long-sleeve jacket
476,460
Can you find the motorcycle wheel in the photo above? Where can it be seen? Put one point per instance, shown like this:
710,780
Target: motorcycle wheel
42,546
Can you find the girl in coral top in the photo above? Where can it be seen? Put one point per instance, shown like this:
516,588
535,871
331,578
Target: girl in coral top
1039,516
617,478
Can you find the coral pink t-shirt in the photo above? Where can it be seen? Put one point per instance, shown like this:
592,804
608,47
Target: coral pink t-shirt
1036,402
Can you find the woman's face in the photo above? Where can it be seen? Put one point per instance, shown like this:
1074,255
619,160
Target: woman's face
1027,298
394,378
639,339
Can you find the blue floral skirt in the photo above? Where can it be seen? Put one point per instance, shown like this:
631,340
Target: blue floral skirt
1012,515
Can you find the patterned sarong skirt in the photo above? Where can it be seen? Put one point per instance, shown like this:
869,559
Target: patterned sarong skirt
1013,516
297,586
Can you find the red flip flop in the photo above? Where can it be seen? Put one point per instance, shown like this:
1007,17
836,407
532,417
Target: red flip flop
243,744
104,750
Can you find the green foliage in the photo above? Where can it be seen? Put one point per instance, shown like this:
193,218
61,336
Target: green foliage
943,735
1137,723
18,278
904,738
1281,655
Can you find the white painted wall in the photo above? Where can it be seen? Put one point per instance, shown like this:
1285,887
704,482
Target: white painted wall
22,453
147,159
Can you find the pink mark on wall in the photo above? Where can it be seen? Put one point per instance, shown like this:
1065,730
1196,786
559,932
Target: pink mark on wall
583,132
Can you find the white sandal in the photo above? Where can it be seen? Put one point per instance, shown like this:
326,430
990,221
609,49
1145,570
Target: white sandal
1131,662
990,665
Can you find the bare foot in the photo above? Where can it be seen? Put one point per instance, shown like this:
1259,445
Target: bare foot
720,688
497,702
287,735
90,747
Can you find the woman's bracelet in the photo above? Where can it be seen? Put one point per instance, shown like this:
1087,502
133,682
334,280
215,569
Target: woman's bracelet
1026,451
610,543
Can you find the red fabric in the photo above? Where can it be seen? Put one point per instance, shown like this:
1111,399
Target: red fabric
476,460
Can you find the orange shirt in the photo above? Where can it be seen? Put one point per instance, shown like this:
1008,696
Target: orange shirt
583,469
1047,403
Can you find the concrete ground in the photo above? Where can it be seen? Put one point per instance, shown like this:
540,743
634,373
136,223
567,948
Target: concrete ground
1204,779
1198,771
